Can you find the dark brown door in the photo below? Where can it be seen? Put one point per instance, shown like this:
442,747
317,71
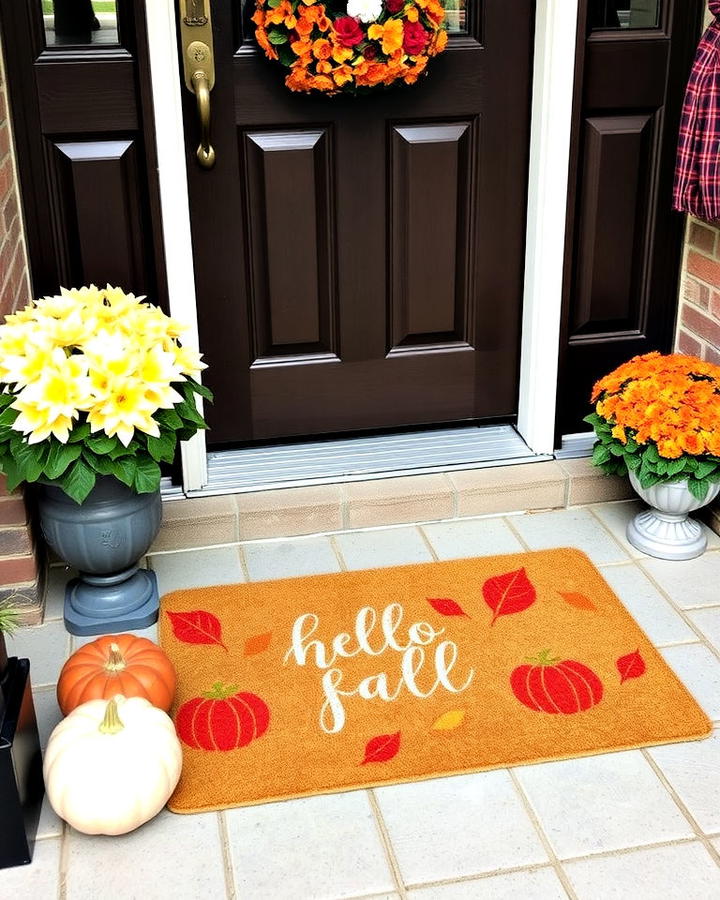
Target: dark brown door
80,94
359,261
624,243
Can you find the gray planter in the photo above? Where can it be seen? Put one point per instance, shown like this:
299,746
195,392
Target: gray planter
104,538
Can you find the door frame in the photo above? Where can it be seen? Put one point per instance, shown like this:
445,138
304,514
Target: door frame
556,35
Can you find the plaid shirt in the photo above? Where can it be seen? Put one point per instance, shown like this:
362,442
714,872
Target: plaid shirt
697,170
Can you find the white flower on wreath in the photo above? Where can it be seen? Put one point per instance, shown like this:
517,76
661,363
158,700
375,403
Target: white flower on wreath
365,10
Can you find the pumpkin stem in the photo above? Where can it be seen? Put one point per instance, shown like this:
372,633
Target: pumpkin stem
115,661
220,691
111,724
543,659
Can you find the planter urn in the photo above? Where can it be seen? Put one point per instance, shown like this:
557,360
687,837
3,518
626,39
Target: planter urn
665,531
104,538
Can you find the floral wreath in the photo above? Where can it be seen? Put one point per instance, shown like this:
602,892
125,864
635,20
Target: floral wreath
350,45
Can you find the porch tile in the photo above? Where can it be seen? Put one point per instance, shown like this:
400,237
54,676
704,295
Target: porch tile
588,484
503,489
302,510
471,537
290,559
201,522
325,846
58,577
392,501
682,871
538,884
46,646
196,568
658,619
693,769
708,622
694,582
170,856
617,515
601,803
151,633
40,879
699,670
570,528
453,827
50,824
47,712
384,547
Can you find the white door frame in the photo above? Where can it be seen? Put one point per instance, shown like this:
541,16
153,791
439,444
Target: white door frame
551,124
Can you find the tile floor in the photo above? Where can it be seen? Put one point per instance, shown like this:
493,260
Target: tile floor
643,823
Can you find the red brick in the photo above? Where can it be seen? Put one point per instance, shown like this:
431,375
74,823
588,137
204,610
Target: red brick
702,237
3,107
10,211
6,177
686,343
15,541
701,324
712,354
703,268
13,511
697,293
715,305
15,570
4,140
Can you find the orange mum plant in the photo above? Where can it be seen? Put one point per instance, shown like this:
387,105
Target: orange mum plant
659,416
350,46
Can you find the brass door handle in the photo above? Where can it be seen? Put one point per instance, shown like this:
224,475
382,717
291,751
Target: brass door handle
205,151
199,64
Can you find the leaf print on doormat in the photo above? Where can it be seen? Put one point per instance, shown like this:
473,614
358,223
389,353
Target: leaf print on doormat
382,748
580,601
197,627
447,607
449,721
512,592
630,666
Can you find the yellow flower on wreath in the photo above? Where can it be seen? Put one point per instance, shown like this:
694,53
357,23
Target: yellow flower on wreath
391,35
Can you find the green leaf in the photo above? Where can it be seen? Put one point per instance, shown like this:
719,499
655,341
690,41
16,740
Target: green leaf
147,477
124,469
277,37
698,489
617,449
101,443
29,459
6,399
633,462
601,454
704,468
162,449
189,413
674,466
78,480
200,389
8,416
168,418
648,479
79,433
13,476
651,453
103,465
59,458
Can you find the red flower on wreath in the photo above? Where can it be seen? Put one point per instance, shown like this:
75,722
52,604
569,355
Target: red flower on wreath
348,31
415,38
394,6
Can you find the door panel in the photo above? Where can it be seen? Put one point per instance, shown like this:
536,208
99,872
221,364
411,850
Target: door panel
359,259
623,241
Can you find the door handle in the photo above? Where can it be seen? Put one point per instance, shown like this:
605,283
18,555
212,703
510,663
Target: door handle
199,65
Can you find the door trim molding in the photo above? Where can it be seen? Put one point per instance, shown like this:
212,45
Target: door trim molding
174,202
551,125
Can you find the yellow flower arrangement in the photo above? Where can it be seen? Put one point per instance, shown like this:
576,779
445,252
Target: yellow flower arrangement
94,382
659,416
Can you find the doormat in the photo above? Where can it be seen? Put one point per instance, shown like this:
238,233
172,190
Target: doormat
333,682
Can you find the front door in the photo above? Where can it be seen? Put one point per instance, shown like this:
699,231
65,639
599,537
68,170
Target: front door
359,261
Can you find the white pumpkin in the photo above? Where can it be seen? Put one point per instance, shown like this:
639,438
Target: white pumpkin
112,765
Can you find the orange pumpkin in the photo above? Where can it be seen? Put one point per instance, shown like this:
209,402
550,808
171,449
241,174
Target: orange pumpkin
117,664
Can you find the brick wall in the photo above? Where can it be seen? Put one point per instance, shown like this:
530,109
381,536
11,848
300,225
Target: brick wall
21,565
699,315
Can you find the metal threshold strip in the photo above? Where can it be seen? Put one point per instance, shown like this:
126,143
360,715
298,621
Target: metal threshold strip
363,458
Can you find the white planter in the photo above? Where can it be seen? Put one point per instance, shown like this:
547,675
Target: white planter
664,530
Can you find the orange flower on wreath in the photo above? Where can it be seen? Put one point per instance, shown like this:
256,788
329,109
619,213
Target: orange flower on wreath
391,35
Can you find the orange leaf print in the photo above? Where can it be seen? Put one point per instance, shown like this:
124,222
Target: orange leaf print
382,748
447,607
509,593
630,666
578,600
449,721
258,643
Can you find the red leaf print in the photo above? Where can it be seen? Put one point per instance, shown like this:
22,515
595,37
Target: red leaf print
630,666
382,748
447,607
197,627
509,593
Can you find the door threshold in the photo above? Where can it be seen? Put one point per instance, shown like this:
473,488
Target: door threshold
362,458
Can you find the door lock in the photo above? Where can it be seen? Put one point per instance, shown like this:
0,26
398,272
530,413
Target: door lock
199,67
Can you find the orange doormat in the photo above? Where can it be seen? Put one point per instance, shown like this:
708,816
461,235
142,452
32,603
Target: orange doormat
320,684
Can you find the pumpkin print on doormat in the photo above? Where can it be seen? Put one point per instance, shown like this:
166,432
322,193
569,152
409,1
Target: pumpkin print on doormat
332,682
